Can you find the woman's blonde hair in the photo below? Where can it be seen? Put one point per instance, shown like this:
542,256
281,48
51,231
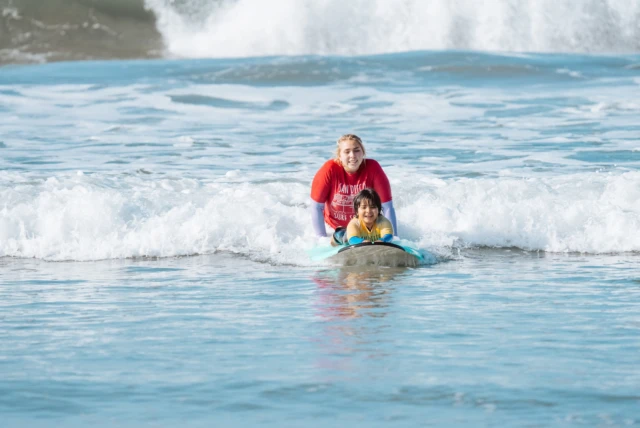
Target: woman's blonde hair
349,137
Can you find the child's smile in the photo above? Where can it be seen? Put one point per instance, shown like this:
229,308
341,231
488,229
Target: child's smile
367,213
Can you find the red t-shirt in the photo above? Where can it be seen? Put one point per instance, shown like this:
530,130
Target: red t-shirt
336,188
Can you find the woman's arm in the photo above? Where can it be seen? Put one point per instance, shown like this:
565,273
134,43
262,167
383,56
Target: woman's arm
389,212
317,218
383,187
320,191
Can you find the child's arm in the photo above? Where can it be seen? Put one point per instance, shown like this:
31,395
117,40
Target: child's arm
355,240
353,232
386,229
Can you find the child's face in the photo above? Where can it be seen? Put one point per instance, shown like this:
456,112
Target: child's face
367,212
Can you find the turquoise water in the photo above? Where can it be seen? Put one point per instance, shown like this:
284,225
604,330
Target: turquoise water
500,337
154,239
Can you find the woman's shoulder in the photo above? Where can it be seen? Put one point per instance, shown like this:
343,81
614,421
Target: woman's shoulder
330,165
373,164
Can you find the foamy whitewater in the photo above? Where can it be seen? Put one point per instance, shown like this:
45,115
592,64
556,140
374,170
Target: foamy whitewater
288,27
55,30
130,159
155,224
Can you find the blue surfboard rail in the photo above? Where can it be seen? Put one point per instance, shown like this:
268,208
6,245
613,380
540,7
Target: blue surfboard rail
321,253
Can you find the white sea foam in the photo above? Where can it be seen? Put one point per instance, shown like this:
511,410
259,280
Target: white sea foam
238,28
591,213
18,56
568,72
81,217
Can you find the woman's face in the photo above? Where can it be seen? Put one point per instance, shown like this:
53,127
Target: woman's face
368,213
351,155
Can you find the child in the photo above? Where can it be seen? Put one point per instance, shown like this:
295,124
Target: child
368,225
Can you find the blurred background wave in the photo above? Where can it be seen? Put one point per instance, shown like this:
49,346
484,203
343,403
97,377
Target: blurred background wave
54,30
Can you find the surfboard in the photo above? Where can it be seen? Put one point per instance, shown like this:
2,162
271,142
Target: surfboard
370,254
377,254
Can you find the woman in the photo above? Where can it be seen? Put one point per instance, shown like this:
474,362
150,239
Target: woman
339,180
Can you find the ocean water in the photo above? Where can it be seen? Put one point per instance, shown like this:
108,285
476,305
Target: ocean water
154,215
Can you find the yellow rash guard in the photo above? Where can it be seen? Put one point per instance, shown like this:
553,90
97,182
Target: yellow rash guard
357,232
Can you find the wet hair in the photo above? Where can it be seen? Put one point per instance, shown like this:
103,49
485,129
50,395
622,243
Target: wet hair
367,195
349,137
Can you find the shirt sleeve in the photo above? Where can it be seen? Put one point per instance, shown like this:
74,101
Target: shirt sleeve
381,183
385,227
322,182
353,229
355,240
390,213
317,218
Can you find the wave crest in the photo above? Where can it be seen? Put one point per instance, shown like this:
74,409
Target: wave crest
241,28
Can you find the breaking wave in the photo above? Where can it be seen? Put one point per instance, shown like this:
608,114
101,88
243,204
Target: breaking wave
103,29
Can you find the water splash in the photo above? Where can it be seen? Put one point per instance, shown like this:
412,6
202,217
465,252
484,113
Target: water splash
242,28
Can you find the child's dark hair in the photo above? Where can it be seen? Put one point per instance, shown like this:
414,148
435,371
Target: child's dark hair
371,196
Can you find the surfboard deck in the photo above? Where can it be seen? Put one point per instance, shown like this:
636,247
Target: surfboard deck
376,254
